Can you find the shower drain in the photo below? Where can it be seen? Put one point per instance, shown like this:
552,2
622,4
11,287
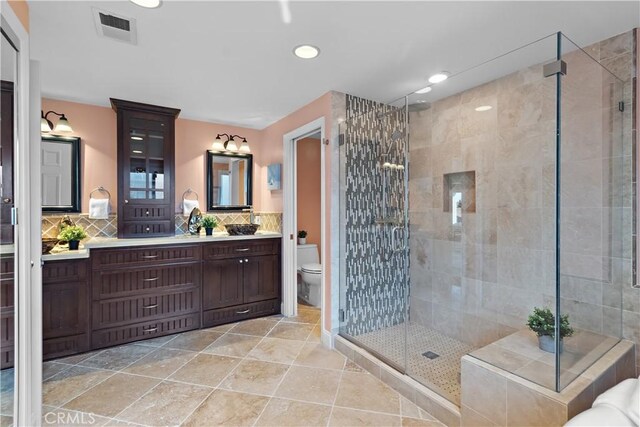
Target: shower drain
430,355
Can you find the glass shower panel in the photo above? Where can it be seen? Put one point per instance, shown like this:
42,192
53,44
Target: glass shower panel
373,273
481,197
595,179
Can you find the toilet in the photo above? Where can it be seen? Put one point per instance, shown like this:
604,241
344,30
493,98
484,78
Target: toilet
309,274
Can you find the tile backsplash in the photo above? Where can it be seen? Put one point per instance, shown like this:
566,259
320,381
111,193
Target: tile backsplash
270,221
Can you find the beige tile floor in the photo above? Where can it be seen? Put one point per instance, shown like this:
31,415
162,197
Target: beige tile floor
265,372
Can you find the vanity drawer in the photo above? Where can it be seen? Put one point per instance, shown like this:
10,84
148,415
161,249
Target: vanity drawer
143,227
65,271
240,312
122,311
150,213
145,330
125,283
238,249
141,256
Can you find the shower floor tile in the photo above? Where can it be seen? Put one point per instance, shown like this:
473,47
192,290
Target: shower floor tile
440,373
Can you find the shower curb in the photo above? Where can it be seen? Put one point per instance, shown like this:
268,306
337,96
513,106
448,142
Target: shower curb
426,399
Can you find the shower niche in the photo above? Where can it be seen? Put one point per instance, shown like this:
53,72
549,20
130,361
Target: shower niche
459,194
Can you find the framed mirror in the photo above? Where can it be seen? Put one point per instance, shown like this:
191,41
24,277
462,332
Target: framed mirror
229,181
60,174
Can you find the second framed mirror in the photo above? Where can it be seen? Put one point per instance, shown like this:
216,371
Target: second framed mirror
229,181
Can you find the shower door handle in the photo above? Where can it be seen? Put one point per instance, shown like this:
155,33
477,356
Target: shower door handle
396,245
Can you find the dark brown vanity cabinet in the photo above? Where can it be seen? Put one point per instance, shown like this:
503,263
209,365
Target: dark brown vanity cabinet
241,280
143,292
146,165
7,312
65,307
122,295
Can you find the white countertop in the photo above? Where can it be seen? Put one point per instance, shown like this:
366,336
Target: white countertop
112,242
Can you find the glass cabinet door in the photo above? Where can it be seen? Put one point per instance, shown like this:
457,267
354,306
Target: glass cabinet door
146,159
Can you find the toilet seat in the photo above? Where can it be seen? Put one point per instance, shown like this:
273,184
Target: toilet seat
312,268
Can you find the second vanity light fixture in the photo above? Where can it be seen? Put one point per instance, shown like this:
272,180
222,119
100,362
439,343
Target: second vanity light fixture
46,125
230,143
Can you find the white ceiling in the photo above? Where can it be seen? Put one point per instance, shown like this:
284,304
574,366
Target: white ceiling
232,62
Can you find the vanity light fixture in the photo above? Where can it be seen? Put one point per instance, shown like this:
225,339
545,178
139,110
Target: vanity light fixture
439,77
306,51
423,90
46,125
484,108
230,143
149,4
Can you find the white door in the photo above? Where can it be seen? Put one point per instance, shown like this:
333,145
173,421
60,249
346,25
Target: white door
56,173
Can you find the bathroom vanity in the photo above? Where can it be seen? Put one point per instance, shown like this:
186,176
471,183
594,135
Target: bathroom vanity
125,290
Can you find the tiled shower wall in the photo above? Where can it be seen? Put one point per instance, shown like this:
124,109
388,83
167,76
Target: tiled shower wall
375,283
478,281
270,221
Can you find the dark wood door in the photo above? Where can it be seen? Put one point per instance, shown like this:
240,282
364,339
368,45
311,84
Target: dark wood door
222,283
64,309
6,161
261,280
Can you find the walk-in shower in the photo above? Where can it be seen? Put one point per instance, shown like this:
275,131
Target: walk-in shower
504,188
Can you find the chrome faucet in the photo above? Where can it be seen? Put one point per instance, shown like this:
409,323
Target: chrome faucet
252,217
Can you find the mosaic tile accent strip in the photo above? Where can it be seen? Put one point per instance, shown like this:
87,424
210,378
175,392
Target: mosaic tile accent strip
271,221
375,279
441,374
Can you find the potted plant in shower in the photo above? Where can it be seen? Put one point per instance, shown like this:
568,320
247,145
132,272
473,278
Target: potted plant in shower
542,321
209,223
302,237
72,234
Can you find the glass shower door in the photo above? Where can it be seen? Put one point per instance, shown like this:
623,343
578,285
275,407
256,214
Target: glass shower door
374,243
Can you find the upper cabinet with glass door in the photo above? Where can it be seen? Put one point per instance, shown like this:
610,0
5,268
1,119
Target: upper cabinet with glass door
146,150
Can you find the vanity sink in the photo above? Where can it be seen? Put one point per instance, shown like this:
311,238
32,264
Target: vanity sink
241,229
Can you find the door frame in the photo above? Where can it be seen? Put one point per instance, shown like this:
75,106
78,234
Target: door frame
28,271
289,215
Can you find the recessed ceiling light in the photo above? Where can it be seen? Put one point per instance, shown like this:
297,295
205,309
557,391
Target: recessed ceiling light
438,78
150,4
424,90
484,108
306,51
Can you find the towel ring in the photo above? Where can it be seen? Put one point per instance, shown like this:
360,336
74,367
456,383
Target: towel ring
101,189
188,192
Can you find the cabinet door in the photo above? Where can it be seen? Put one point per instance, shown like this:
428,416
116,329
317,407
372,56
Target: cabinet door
261,279
64,309
222,283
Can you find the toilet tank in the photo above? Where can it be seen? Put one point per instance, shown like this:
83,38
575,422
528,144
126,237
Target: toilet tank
307,254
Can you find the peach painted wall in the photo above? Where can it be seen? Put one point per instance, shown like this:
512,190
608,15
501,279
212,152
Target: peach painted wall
21,9
271,201
96,126
308,188
193,138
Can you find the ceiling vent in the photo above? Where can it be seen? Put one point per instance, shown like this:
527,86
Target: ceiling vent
115,27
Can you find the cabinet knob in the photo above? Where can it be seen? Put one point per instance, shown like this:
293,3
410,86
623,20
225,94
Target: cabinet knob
147,212
126,201
148,229
6,200
241,261
246,260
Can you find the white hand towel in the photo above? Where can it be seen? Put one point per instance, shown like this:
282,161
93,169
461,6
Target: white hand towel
188,206
98,208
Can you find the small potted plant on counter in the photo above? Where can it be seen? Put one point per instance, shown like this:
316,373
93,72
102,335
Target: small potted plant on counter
302,237
72,234
209,223
543,323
